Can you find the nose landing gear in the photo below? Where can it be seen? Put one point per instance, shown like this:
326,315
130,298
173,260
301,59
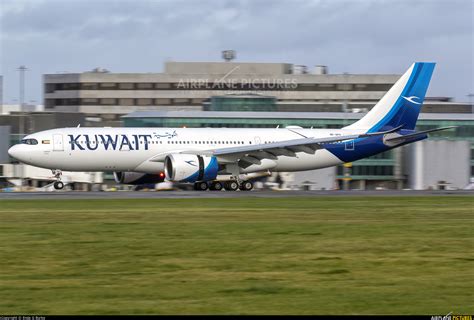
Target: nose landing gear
58,185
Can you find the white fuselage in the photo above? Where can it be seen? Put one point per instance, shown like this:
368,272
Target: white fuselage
144,149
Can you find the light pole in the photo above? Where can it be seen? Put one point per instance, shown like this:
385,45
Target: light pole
470,96
347,167
22,70
21,127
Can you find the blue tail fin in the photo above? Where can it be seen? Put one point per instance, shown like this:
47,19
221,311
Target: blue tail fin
401,105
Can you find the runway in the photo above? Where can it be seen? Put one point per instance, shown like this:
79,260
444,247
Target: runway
221,194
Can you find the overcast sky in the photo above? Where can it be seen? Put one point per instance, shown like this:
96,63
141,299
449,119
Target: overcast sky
358,36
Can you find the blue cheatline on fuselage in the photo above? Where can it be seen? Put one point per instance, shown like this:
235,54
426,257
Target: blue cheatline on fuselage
366,147
403,113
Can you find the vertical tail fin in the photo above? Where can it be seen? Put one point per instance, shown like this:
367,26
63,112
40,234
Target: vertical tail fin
401,105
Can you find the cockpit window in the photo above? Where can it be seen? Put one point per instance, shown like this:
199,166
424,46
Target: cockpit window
29,141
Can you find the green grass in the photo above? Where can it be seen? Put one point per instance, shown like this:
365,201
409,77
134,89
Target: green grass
322,255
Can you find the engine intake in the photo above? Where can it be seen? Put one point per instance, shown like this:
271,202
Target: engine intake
190,168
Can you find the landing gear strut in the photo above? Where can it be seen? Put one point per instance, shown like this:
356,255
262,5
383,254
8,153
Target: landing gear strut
235,182
58,185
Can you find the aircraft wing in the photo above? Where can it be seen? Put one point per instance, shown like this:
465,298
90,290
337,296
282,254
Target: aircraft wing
252,154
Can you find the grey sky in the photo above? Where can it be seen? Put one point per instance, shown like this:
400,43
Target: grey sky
138,36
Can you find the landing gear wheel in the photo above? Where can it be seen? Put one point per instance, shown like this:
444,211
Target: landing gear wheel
231,185
58,185
216,186
246,186
201,186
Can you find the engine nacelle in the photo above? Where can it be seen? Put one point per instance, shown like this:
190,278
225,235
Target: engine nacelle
190,168
136,178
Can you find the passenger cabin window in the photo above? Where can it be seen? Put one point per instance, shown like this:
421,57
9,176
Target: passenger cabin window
29,141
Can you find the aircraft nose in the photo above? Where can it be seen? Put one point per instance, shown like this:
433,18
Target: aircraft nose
20,153
13,151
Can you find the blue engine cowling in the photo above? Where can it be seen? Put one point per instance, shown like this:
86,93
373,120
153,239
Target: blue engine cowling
190,168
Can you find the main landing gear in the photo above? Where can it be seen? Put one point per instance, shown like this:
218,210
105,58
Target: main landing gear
58,185
246,186
216,186
201,186
231,185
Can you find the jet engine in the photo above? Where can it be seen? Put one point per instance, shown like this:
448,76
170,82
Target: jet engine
190,168
136,178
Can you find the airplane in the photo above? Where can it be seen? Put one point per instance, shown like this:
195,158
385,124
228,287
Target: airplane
217,158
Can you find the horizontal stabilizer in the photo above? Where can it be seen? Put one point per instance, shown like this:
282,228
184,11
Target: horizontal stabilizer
399,139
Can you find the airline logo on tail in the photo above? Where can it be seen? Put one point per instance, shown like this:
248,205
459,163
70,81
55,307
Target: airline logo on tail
412,99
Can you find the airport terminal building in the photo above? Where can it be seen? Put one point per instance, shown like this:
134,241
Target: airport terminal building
190,85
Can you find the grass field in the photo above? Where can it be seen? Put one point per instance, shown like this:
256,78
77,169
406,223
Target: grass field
327,255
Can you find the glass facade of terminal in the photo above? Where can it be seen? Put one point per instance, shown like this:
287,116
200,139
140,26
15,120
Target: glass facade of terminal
232,122
241,103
